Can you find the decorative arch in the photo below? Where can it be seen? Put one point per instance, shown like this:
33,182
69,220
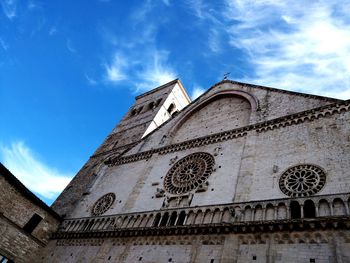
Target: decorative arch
253,102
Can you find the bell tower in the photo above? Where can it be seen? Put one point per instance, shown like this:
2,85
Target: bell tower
149,111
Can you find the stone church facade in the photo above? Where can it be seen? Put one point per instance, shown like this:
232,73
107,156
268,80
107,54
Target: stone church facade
244,173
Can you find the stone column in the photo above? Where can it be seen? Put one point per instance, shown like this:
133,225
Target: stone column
302,211
230,249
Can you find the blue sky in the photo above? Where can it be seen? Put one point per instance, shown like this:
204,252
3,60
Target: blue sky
69,70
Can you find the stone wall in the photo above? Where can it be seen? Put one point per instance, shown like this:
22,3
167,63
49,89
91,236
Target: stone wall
15,211
286,247
246,168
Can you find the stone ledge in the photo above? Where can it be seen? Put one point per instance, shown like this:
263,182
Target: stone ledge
222,228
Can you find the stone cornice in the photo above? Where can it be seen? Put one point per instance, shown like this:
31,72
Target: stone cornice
243,217
220,228
292,119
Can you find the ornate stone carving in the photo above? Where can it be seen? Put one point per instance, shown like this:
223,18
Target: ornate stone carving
203,187
159,193
173,160
103,204
189,173
302,180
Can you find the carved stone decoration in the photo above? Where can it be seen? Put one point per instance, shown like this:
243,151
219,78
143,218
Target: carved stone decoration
189,173
159,193
103,204
217,150
173,160
203,187
302,180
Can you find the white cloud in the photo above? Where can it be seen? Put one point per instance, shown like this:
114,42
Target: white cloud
9,7
156,72
298,47
34,174
196,92
115,71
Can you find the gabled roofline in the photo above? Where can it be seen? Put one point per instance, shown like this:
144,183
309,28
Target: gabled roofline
166,85
276,90
157,89
25,191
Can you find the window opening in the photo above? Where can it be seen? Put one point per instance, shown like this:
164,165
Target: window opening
32,223
309,209
181,219
295,210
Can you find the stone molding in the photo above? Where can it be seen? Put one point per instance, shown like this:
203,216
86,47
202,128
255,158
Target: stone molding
281,122
252,238
337,223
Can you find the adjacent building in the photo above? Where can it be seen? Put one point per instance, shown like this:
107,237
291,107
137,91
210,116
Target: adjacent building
26,222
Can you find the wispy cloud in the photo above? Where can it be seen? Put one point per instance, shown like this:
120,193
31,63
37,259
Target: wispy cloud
196,92
210,16
214,40
166,2
116,70
9,8
135,58
140,14
31,5
155,72
142,71
46,181
70,46
304,48
52,31
286,45
4,45
90,80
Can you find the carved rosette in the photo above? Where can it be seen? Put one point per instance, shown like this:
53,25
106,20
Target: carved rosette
302,180
103,204
189,173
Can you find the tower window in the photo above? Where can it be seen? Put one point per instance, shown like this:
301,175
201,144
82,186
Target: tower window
133,112
151,106
139,109
158,102
171,109
32,223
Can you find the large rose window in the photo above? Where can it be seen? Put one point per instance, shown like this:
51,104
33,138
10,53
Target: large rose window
103,204
302,180
189,173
